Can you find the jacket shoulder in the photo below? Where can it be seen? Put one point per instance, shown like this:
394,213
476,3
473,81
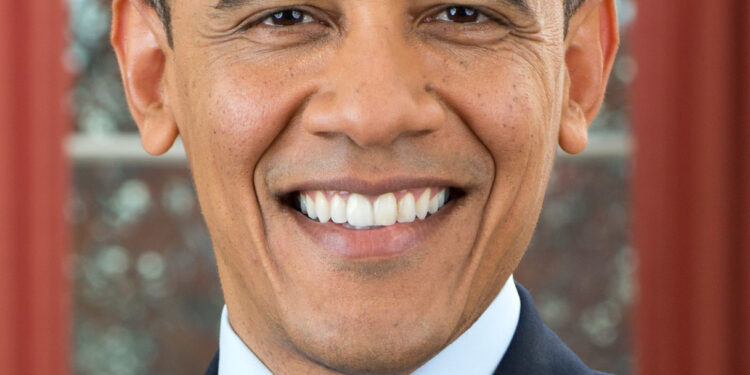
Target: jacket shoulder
213,368
536,350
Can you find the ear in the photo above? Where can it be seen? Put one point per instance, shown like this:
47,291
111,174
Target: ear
139,40
590,49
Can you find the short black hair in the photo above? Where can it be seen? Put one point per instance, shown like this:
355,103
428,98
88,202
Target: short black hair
162,8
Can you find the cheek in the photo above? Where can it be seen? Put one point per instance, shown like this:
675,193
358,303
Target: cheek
510,117
238,112
511,112
229,116
504,98
243,120
514,125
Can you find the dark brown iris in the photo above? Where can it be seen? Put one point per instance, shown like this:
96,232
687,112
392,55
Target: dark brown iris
463,14
287,17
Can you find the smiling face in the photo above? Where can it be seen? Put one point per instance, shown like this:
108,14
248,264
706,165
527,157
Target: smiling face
371,172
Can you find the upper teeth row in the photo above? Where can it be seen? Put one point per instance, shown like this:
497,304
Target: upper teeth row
357,210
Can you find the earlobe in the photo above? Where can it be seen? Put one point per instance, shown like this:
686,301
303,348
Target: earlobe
138,42
591,46
158,130
574,133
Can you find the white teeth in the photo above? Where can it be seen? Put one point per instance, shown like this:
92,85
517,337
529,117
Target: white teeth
359,211
407,211
338,209
385,209
303,203
322,208
436,202
355,210
423,204
310,204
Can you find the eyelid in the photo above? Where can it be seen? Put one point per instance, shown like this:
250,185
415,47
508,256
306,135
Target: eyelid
260,18
480,15
490,15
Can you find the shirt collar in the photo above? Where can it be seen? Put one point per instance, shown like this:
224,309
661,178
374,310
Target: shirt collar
477,351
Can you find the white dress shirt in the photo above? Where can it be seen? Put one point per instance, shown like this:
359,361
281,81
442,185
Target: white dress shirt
477,351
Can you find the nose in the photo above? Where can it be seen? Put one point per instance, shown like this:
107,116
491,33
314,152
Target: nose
374,92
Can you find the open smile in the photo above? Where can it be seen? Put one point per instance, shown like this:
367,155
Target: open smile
361,212
371,223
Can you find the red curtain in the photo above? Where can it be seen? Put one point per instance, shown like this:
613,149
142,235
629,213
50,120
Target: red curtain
34,295
691,189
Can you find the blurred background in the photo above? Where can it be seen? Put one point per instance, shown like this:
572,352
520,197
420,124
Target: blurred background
138,292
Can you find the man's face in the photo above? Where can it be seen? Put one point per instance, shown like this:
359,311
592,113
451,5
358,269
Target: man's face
352,101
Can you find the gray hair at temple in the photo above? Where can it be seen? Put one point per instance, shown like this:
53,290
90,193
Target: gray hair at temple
163,8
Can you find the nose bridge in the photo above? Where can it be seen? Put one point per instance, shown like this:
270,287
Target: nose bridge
376,60
374,89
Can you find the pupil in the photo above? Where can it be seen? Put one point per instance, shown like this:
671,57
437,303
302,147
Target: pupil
463,14
287,17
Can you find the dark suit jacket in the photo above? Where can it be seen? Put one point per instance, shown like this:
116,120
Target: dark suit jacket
534,349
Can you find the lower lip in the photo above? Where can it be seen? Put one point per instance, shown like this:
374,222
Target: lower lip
384,242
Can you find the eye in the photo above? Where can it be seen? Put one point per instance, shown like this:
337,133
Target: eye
461,14
288,17
466,25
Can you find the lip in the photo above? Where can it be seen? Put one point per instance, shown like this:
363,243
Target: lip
372,244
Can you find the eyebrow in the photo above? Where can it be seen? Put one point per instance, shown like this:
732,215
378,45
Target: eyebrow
229,4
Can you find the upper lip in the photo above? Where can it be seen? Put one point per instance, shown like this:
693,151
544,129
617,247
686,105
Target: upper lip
369,187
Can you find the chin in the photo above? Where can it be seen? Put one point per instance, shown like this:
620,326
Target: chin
372,349
352,307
